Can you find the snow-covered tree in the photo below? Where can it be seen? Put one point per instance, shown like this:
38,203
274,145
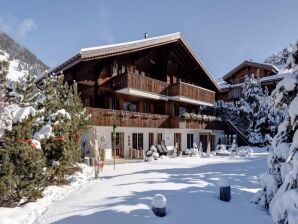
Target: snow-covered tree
253,94
293,59
4,65
64,121
267,120
43,145
280,58
279,186
25,92
22,174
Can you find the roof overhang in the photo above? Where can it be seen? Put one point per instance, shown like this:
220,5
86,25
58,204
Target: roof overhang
105,51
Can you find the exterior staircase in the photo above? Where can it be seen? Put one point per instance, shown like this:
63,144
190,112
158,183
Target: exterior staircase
230,128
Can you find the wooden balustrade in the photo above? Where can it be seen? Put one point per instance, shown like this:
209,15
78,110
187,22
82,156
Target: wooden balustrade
192,91
176,122
139,82
108,117
130,80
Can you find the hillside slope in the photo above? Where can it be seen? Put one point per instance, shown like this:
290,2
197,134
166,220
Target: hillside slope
21,59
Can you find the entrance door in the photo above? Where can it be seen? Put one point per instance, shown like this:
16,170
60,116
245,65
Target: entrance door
203,140
118,145
177,142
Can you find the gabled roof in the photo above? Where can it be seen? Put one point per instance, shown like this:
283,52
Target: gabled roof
87,54
251,64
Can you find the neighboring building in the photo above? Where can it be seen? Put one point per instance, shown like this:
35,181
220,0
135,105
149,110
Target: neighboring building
144,87
231,83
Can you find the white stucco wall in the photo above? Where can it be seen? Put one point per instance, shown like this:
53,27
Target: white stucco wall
167,136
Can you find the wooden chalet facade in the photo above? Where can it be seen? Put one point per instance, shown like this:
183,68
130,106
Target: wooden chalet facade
231,90
142,87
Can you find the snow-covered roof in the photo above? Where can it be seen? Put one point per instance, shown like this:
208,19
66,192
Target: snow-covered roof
252,64
272,78
104,51
279,76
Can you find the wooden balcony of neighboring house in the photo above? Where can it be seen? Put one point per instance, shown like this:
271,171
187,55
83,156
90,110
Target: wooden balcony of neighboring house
235,92
138,85
107,117
192,94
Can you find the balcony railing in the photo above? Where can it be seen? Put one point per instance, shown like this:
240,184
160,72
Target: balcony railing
235,92
176,122
108,117
192,91
147,84
139,82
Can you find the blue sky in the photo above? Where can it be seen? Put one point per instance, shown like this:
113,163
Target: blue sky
222,32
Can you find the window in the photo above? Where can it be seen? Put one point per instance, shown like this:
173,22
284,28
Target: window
146,107
87,101
137,141
114,103
159,138
128,106
151,139
189,141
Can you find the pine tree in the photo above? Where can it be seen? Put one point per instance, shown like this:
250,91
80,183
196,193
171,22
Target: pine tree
268,118
279,186
64,113
25,92
4,65
253,93
4,124
22,171
22,175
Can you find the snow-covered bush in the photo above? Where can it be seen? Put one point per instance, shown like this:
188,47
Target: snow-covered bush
221,149
233,147
194,150
279,191
186,151
245,152
151,154
213,153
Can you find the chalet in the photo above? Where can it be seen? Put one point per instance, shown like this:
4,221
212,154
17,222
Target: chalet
146,88
231,82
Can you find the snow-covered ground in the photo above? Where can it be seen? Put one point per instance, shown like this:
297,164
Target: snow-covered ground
28,213
189,184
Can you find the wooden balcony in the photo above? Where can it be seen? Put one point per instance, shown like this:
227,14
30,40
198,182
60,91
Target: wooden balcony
108,117
176,122
192,92
138,82
130,80
235,92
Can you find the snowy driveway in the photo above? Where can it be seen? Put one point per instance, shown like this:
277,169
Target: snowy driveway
190,185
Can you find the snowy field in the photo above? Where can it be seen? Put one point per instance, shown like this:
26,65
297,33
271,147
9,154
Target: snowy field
190,185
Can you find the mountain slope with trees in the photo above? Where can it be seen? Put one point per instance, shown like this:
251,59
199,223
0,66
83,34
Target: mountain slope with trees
21,59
